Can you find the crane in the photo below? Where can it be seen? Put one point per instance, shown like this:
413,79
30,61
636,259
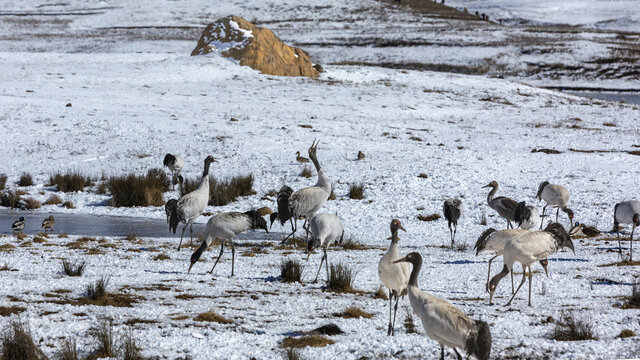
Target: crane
394,276
626,212
503,205
556,196
175,163
326,229
452,210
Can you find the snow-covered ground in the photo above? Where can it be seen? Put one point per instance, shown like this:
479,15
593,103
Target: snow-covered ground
129,109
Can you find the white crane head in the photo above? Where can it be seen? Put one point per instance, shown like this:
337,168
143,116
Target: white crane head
540,188
493,184
395,225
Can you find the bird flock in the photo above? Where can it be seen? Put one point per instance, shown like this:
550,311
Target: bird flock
442,321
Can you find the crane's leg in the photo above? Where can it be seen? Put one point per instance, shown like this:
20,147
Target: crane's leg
509,224
219,256
457,354
326,263
524,278
395,311
318,273
455,229
512,282
191,231
631,243
451,234
390,305
181,236
530,277
441,352
233,256
293,231
489,272
542,216
557,213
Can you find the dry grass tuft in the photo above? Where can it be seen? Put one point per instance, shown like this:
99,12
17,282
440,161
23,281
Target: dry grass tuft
329,329
7,247
102,334
340,278
63,236
25,179
432,217
162,256
73,269
423,176
98,290
212,316
5,267
353,312
129,347
380,294
68,204
291,271
223,192
633,301
69,351
131,237
626,333
409,324
32,204
21,236
53,200
356,191
304,341
11,310
17,343
3,181
293,354
133,190
306,172
570,329
352,244
69,181
10,199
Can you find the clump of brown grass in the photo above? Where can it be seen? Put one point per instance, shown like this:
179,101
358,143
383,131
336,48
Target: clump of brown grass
3,181
432,217
63,235
131,237
21,235
73,269
306,172
69,351
53,200
634,300
293,354
5,267
356,191
340,278
17,343
10,199
98,290
134,190
626,333
380,294
11,310
162,256
409,324
223,192
129,348
212,316
291,271
570,329
307,340
102,334
68,204
32,204
25,179
69,181
354,312
423,176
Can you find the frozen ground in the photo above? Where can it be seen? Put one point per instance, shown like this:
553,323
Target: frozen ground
129,109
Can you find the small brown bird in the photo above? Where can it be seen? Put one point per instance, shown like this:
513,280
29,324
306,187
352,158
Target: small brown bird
301,159
360,155
48,223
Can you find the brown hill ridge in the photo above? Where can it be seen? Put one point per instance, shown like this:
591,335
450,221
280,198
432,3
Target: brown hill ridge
254,46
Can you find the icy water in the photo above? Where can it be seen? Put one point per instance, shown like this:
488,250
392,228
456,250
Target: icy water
92,225
627,98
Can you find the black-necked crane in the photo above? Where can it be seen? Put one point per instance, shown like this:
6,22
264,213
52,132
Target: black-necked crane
190,206
301,159
175,164
445,323
531,246
224,227
452,210
47,224
626,212
18,225
326,229
527,216
505,206
394,276
283,214
492,240
556,196
306,202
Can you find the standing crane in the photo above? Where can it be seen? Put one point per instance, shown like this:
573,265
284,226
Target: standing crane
226,226
394,276
531,246
445,323
283,214
191,205
306,202
503,205
527,216
175,164
326,229
626,212
452,210
556,196
47,224
492,240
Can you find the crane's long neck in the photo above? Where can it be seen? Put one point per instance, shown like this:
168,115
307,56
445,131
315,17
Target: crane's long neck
413,279
491,194
394,236
323,179
204,181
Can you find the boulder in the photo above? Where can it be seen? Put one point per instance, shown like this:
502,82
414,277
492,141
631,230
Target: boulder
254,46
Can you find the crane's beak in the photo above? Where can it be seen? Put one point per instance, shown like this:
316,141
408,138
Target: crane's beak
400,260
486,186
401,228
190,266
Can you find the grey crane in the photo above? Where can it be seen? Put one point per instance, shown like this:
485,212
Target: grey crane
505,206
452,210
